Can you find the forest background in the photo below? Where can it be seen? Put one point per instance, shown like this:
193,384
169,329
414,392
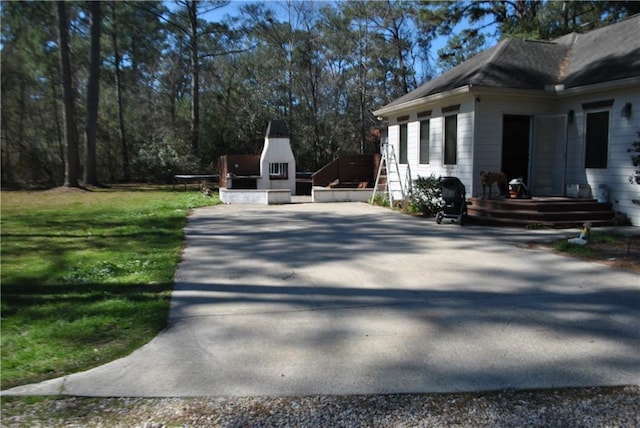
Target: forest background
101,92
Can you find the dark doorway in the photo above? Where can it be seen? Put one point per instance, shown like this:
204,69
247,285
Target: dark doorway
516,134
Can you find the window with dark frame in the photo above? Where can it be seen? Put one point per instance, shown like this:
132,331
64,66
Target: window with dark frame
402,156
278,171
596,139
424,141
451,139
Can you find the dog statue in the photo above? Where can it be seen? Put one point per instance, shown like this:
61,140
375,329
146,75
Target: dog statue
205,189
488,178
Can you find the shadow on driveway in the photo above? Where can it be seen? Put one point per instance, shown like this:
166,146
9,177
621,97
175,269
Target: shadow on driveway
307,299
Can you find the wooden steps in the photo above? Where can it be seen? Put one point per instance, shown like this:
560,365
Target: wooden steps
547,211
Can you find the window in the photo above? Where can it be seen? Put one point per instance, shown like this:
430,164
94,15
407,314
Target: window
403,143
424,141
597,140
451,139
278,171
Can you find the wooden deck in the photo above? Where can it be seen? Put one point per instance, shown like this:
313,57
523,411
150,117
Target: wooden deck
547,211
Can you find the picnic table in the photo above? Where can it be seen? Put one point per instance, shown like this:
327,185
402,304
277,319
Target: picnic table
189,178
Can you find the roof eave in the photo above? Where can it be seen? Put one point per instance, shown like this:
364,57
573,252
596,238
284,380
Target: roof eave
556,91
597,87
475,89
410,105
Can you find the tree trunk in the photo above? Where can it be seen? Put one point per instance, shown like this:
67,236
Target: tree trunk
72,159
93,88
401,65
118,83
192,9
364,87
7,166
54,106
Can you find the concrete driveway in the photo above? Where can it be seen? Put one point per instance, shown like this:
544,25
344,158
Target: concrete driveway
347,298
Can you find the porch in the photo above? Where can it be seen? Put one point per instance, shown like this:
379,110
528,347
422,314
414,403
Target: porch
558,212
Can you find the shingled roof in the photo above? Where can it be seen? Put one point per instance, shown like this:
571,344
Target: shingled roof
603,55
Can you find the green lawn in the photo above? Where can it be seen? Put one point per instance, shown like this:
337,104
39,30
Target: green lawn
86,276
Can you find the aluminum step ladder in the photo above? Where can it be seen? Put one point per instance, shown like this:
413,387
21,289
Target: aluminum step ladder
389,179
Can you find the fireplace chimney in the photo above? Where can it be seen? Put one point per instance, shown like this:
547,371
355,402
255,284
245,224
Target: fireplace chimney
277,164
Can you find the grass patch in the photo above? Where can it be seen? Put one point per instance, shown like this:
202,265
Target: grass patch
611,248
86,276
574,250
591,250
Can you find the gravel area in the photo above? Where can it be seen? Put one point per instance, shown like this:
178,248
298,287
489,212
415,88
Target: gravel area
578,407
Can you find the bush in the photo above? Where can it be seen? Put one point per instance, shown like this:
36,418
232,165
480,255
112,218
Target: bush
159,161
379,200
426,196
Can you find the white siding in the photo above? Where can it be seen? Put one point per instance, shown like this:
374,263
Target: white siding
490,112
622,132
394,140
480,121
464,166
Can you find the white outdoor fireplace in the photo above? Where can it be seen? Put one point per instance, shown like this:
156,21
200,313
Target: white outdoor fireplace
277,164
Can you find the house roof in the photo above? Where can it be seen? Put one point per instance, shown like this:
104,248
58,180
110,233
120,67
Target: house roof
603,55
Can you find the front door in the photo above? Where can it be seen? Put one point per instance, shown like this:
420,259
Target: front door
548,155
516,133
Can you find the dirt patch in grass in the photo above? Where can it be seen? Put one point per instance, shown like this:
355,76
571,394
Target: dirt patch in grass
64,190
622,254
615,250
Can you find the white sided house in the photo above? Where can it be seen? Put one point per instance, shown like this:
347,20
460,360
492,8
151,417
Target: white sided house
561,114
